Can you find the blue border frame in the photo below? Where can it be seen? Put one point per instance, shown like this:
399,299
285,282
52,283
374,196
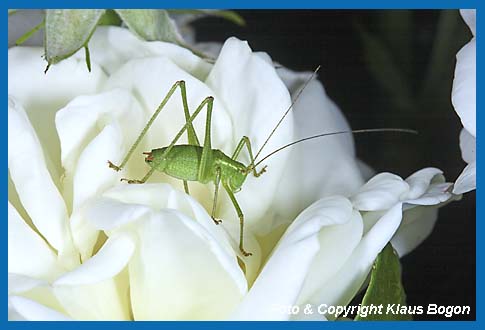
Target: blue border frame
249,4
261,4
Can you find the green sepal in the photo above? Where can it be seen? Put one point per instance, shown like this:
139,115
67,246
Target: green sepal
150,25
88,57
26,36
385,287
67,31
110,17
154,25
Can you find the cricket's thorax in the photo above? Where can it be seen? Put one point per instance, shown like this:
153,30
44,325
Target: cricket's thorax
183,162
233,173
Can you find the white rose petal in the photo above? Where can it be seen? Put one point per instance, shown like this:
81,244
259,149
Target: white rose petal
464,101
33,183
464,86
327,211
174,274
125,204
108,262
436,193
111,47
38,91
467,180
333,156
82,119
314,101
88,140
416,226
337,243
182,269
43,94
380,193
470,17
28,253
284,274
33,311
37,290
419,181
467,146
98,290
107,214
160,197
13,315
427,187
92,164
343,286
18,283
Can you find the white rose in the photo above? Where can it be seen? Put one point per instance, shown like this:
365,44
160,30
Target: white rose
84,246
464,100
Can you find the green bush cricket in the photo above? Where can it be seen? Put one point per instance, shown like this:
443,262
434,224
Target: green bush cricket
193,162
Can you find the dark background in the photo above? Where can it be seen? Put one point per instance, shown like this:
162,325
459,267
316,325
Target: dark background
387,69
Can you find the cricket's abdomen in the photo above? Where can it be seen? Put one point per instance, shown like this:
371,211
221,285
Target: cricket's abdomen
182,162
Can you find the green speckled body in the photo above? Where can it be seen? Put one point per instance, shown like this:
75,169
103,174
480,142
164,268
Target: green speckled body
183,162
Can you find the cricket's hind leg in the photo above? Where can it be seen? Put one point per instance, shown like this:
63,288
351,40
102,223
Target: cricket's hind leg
241,222
186,187
192,136
216,193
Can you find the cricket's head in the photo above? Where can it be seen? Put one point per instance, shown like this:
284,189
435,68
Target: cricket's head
154,158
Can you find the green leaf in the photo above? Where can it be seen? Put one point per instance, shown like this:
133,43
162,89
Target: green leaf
396,30
151,24
229,15
442,59
385,288
383,67
67,31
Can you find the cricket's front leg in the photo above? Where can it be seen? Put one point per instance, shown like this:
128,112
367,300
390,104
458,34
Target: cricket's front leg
132,181
113,166
251,168
260,172
145,178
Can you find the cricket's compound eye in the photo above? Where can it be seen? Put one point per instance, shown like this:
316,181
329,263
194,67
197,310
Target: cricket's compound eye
149,156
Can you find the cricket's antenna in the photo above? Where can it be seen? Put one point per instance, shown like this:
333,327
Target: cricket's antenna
370,130
287,111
